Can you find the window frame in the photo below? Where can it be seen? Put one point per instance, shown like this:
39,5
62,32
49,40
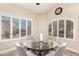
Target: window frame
65,38
11,28
21,28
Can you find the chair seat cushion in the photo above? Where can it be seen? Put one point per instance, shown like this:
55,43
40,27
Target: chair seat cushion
51,53
29,53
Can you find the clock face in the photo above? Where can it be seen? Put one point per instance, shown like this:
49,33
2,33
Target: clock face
58,11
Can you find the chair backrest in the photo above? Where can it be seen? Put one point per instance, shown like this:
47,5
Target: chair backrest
20,50
30,38
61,49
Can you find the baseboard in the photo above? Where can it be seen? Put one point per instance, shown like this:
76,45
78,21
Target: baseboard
73,50
1,52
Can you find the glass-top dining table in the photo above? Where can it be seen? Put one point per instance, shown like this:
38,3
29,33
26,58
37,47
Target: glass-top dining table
41,48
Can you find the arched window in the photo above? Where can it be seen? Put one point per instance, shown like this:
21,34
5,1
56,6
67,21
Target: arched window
55,28
61,28
50,29
69,29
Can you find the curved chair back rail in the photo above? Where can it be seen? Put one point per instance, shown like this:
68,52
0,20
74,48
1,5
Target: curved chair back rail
20,50
59,52
61,49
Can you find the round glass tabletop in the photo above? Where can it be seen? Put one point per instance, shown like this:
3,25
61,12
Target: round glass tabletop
40,48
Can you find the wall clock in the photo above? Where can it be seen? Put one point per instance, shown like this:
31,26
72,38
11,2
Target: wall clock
58,11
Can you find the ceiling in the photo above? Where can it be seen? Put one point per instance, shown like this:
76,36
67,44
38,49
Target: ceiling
42,8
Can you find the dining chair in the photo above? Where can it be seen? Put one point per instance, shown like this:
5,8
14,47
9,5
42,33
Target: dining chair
20,49
29,39
59,51
29,53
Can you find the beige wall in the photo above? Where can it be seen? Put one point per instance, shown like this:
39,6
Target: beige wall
71,12
40,21
42,25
